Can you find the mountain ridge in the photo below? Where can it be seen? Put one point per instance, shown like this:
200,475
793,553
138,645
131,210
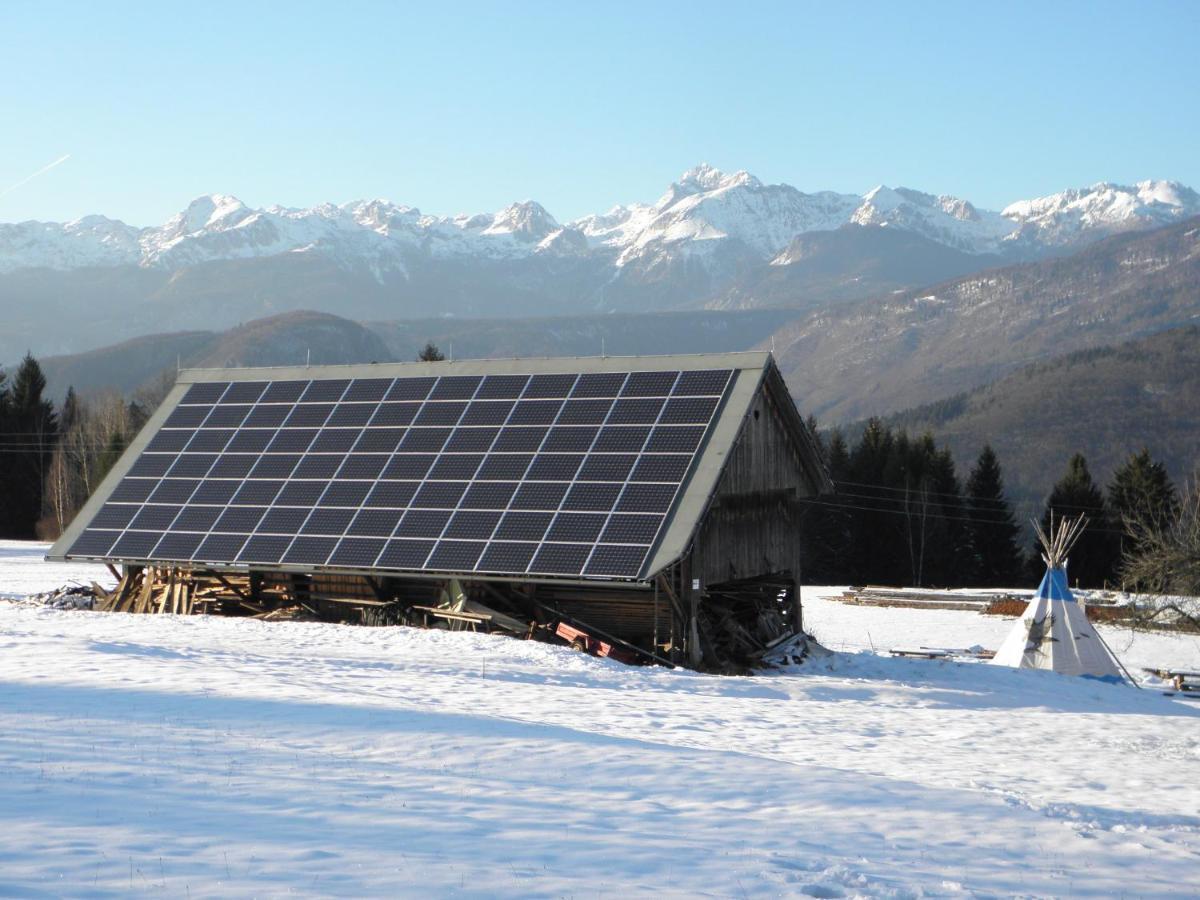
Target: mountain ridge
704,206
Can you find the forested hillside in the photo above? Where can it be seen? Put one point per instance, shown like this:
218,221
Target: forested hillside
895,352
1106,403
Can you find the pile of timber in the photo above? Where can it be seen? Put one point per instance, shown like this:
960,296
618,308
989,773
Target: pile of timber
181,591
1185,683
75,596
927,599
1096,612
150,590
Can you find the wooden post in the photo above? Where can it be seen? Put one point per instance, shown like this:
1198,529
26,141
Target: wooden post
674,638
691,604
797,572
656,616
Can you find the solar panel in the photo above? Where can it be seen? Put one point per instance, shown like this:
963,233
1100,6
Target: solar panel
357,552
542,474
375,522
179,546
265,549
473,523
374,389
312,551
351,414
636,411
113,515
404,554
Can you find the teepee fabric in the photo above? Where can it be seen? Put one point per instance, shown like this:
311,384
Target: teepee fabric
1054,633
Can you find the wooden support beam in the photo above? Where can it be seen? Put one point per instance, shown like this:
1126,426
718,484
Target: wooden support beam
143,599
239,594
376,585
665,586
691,604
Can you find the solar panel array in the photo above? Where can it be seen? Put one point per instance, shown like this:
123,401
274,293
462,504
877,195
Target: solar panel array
546,474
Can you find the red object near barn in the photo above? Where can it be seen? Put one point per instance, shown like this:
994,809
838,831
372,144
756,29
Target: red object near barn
585,643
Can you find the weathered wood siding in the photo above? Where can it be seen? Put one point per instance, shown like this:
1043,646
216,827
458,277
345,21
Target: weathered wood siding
753,525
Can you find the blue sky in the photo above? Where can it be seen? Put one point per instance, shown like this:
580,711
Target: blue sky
467,107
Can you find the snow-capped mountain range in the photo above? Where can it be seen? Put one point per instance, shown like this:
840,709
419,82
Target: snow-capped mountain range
705,217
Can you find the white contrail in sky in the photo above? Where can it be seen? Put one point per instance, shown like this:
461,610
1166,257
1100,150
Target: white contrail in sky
42,171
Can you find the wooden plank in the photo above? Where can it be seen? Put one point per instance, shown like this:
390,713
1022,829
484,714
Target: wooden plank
449,614
143,599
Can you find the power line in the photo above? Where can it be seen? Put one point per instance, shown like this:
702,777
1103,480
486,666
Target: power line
834,504
962,496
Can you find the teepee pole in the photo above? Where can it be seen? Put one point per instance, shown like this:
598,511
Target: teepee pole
1104,643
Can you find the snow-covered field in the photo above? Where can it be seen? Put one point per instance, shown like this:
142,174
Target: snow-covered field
216,757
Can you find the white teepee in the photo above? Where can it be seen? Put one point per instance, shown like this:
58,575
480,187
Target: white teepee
1054,632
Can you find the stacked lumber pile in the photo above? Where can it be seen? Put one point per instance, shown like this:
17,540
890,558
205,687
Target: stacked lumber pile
1103,612
929,599
150,590
179,591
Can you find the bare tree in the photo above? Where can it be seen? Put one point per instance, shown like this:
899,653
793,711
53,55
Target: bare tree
1167,555
98,433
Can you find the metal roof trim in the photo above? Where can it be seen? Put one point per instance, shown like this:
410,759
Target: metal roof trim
514,366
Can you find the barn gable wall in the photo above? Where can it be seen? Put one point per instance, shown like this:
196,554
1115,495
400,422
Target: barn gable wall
752,526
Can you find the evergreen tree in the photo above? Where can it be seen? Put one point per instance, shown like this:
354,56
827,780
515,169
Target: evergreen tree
935,535
948,553
430,353
878,551
994,551
136,415
7,522
71,412
811,424
1141,489
1093,560
32,431
904,509
837,456
827,522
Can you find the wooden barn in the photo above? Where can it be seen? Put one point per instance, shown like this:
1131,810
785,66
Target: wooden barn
643,506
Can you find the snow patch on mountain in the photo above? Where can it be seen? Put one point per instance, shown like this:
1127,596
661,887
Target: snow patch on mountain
1073,216
706,207
90,241
526,221
947,220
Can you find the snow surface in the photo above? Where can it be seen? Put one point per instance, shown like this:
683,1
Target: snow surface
24,570
703,210
195,756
